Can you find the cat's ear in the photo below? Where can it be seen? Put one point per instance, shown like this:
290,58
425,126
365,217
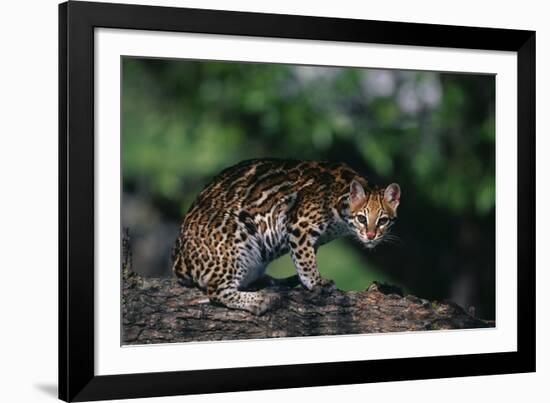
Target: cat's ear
392,194
356,194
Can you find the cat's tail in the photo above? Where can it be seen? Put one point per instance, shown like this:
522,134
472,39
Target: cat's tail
177,249
178,263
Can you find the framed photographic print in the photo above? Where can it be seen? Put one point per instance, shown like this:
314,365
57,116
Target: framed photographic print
260,201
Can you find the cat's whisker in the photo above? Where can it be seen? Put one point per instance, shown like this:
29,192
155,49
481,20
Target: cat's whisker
392,237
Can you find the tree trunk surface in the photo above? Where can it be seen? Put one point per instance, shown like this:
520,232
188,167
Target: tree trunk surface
160,310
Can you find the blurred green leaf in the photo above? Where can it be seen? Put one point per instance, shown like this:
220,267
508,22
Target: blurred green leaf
434,133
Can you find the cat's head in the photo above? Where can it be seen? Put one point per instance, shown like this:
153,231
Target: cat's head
373,212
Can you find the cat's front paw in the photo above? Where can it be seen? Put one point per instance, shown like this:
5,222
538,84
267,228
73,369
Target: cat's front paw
324,286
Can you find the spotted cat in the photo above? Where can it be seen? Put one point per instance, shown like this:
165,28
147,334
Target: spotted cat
258,210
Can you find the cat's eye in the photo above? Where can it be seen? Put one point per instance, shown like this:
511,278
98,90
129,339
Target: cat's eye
383,220
362,219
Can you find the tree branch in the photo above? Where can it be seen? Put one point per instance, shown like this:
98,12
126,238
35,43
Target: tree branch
161,310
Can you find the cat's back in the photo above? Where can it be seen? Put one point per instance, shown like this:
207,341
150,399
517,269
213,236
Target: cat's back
252,183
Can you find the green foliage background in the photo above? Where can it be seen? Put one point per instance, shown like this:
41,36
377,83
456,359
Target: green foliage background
184,121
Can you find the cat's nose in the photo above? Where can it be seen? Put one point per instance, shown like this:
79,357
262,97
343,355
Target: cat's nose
370,235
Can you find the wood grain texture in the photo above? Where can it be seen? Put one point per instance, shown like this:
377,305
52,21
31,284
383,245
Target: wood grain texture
160,310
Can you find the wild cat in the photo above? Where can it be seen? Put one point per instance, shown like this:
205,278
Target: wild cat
258,210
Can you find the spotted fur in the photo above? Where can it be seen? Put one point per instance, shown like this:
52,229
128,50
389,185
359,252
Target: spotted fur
258,210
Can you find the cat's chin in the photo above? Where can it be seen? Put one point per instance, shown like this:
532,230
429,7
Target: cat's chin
366,243
370,244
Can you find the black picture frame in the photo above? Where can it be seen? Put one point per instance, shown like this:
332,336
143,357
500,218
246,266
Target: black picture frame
77,21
